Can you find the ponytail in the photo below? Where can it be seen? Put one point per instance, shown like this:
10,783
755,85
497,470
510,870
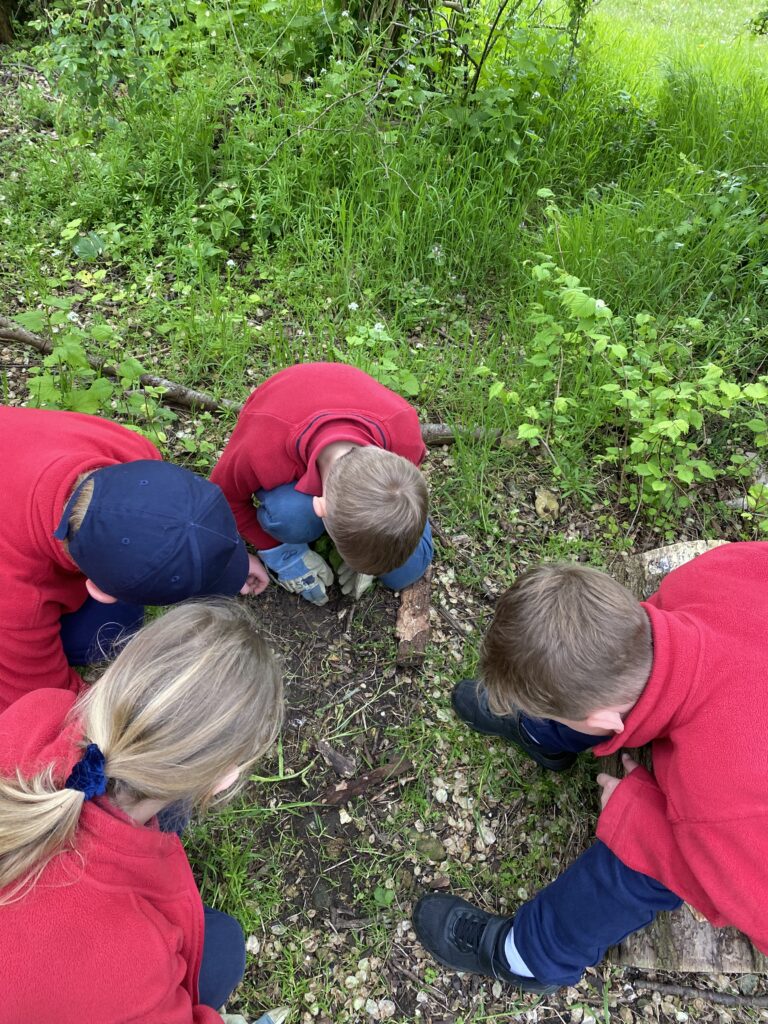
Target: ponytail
37,819
190,696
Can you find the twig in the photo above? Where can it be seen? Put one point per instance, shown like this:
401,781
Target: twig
452,621
688,992
339,794
341,764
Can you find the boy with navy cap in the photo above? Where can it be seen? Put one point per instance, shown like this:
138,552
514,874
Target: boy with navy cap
94,527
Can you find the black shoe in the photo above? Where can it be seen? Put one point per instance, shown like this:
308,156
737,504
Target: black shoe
466,938
470,702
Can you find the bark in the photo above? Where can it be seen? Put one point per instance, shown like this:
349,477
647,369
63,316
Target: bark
412,625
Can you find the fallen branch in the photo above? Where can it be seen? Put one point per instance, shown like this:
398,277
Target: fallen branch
434,434
412,627
174,394
688,992
339,794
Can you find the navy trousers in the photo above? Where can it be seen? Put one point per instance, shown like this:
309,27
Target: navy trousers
594,904
223,965
90,633
288,516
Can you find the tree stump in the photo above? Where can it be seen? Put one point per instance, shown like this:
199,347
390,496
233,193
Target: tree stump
683,940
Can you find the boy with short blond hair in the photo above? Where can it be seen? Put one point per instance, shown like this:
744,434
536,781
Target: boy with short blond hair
573,662
325,447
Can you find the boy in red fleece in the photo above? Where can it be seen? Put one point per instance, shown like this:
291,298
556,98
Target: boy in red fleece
571,662
94,527
323,446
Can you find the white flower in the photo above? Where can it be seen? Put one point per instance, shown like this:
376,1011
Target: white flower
72,317
353,306
231,263
379,327
309,80
345,14
599,304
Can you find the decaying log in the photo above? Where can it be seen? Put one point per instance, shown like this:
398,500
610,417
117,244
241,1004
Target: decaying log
336,795
412,627
434,434
682,940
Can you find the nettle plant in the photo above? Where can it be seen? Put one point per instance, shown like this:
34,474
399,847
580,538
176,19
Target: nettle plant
372,348
631,395
67,379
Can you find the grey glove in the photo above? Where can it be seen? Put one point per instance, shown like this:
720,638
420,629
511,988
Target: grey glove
299,570
354,584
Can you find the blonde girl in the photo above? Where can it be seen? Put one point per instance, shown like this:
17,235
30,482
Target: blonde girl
100,917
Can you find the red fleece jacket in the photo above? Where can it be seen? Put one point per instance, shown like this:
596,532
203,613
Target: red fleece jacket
112,931
44,452
291,417
699,824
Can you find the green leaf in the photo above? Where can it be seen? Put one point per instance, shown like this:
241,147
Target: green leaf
33,319
545,193
730,390
89,247
684,473
528,431
705,469
495,389
94,398
102,332
578,304
757,391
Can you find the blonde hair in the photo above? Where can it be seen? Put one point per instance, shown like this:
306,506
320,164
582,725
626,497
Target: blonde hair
192,695
566,640
78,510
376,509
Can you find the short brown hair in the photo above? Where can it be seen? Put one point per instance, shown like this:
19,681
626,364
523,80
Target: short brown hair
566,640
78,510
376,509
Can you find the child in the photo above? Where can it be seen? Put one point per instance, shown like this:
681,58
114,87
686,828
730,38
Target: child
100,917
94,527
572,661
323,446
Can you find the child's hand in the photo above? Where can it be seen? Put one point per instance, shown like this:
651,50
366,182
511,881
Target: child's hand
257,580
610,782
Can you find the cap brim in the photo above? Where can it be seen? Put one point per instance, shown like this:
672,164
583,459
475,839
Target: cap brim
233,578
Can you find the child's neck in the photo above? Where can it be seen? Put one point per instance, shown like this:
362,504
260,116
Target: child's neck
330,454
141,811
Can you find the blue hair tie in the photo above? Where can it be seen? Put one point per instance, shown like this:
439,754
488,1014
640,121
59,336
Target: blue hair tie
88,775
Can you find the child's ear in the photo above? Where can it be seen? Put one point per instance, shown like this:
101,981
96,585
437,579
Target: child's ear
318,504
98,594
606,719
227,780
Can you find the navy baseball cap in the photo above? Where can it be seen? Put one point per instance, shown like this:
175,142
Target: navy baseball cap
155,533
